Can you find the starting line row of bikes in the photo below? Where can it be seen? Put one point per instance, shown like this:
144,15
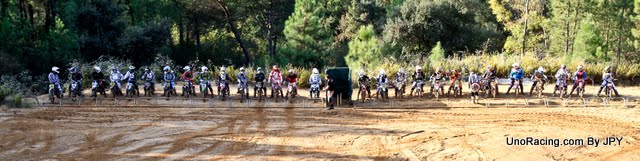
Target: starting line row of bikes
321,102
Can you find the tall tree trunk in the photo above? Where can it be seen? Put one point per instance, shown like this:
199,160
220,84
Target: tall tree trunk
575,25
180,23
270,32
30,12
235,31
567,31
524,33
197,37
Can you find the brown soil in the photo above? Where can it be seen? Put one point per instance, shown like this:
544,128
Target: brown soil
86,133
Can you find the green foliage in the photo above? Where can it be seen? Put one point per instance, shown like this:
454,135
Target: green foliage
422,23
364,50
308,33
437,53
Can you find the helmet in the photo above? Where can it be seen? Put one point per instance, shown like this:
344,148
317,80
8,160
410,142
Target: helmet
515,65
187,68
55,69
259,69
401,70
204,68
440,69
73,70
314,71
242,69
132,67
223,69
146,69
418,68
275,67
563,66
541,69
453,70
360,73
579,67
291,71
489,67
97,68
607,68
381,71
166,68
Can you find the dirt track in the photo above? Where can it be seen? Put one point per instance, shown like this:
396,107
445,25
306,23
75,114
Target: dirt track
478,133
311,134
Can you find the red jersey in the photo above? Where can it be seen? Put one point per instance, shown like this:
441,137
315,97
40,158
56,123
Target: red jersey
292,78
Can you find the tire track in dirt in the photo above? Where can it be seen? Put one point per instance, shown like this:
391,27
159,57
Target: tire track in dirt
290,126
243,141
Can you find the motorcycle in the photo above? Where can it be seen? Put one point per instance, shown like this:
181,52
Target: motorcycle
187,89
97,87
223,90
130,89
562,88
489,90
54,91
516,83
437,86
204,87
169,89
539,87
148,88
475,89
259,86
419,90
75,89
363,92
292,90
242,91
276,88
457,88
609,88
580,88
399,89
382,91
315,91
115,90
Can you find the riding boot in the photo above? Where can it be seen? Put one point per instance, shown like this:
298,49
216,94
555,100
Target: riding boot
600,90
411,93
616,92
508,90
531,91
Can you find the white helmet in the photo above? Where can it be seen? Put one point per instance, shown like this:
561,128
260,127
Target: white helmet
291,71
97,68
489,67
187,68
418,68
242,69
204,68
381,71
360,73
541,69
55,69
579,67
563,66
259,69
607,67
223,69
314,71
401,70
132,67
515,65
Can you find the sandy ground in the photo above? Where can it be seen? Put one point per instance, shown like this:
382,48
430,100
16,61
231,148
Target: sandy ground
472,133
